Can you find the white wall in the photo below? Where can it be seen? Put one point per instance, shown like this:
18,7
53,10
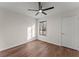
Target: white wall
67,23
53,30
13,28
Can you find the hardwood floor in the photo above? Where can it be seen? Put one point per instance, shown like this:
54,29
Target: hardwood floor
39,48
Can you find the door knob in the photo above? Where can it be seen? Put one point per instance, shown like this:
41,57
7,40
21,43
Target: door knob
62,33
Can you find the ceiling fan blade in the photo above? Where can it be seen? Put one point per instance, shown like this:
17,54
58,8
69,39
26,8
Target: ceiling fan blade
32,10
44,13
36,13
47,8
40,6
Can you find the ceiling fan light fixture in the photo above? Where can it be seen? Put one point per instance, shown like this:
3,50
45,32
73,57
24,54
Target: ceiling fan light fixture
40,11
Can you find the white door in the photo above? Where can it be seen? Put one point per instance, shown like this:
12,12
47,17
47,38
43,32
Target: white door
68,32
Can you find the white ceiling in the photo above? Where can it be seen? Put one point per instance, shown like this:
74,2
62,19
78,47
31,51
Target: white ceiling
22,7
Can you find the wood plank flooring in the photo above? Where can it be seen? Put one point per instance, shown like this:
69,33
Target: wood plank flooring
39,48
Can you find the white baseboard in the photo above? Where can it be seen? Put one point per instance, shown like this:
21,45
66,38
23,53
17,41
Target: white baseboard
5,48
50,42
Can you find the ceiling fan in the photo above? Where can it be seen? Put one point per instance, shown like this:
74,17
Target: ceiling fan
40,10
